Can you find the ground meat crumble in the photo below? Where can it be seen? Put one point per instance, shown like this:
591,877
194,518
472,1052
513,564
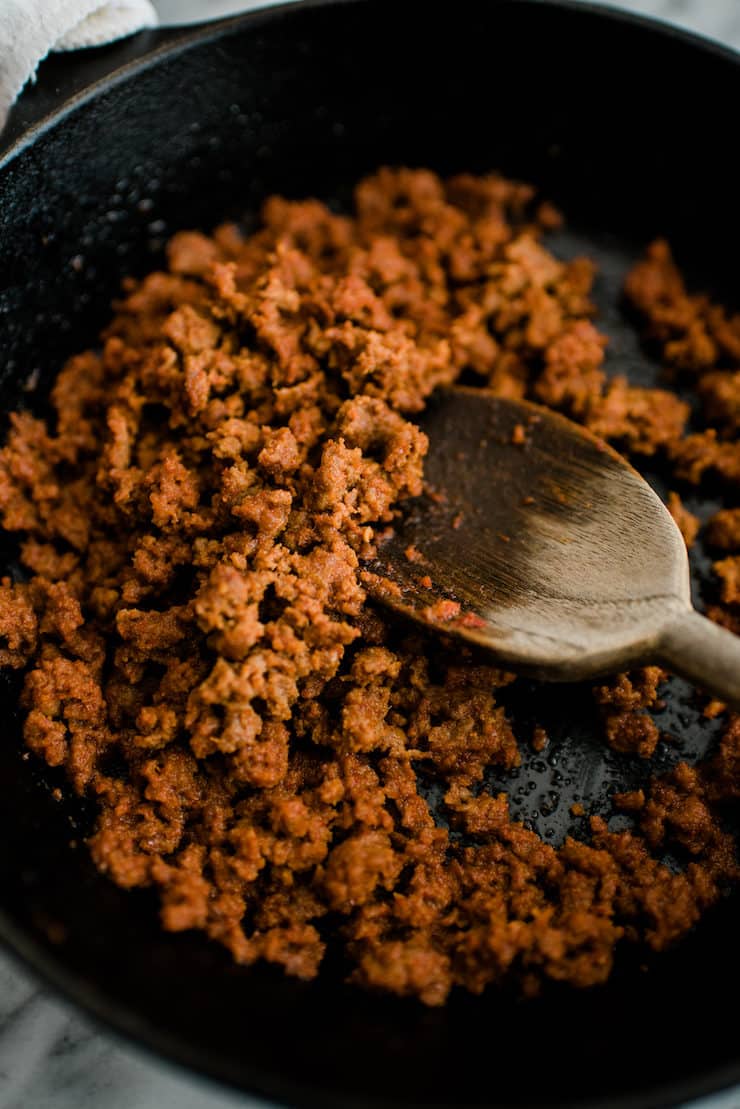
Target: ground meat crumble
193,522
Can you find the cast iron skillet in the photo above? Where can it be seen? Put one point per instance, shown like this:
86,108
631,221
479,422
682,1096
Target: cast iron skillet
623,124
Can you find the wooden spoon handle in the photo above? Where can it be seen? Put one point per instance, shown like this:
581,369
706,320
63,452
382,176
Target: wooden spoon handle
701,651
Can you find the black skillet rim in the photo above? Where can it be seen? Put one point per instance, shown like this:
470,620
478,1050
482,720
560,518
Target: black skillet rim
118,1019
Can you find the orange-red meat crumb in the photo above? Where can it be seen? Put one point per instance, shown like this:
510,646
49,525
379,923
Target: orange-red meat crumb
193,523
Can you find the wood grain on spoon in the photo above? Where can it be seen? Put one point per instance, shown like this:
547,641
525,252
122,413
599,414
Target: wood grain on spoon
540,542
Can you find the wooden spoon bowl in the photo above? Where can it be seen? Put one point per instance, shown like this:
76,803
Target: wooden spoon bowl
540,542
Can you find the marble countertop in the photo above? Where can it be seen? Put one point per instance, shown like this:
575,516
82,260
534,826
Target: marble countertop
50,1056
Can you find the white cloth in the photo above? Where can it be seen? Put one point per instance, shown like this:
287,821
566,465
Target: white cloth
30,29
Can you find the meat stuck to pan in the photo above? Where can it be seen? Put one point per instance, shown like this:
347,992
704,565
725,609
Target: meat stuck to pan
178,992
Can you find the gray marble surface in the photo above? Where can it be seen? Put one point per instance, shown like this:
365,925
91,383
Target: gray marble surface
50,1056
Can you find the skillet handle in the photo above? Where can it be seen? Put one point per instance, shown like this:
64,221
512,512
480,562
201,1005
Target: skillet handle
65,75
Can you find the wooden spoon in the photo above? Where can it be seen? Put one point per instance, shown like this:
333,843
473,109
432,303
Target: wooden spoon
540,542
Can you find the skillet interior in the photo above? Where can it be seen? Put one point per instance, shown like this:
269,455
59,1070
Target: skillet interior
620,124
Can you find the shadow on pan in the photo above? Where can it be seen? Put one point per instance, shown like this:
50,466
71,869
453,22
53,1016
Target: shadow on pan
619,122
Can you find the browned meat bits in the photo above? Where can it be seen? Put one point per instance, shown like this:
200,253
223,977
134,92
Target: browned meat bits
201,658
